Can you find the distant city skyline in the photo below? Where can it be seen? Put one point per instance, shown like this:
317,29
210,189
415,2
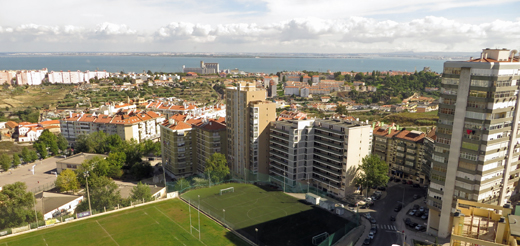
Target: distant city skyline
258,26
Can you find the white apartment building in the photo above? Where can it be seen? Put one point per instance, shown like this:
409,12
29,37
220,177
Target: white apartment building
323,152
477,149
75,77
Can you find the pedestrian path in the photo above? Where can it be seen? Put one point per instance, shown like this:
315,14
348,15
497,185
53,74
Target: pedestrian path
386,227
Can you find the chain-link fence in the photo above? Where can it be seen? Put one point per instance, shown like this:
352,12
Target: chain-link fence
274,181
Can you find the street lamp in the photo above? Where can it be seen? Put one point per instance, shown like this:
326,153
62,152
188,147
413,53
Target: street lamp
224,211
308,184
256,229
164,175
283,182
86,174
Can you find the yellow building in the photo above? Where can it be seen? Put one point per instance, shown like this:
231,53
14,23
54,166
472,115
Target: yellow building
247,118
482,224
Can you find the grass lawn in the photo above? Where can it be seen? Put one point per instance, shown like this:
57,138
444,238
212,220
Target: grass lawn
163,223
280,219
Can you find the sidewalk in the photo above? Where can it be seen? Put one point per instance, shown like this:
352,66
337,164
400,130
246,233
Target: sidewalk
410,233
366,223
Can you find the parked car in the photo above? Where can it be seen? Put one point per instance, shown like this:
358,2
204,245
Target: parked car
412,213
381,188
404,181
415,206
410,182
398,208
368,216
424,216
373,229
418,214
408,221
422,209
420,228
413,224
366,241
373,221
397,180
416,185
371,235
416,196
392,218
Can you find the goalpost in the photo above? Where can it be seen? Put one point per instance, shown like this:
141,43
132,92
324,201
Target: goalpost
227,190
319,238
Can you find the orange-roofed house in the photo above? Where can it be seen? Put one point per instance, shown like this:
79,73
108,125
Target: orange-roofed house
187,142
27,132
128,124
52,125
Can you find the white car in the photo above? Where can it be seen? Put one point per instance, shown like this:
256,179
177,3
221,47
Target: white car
368,216
371,235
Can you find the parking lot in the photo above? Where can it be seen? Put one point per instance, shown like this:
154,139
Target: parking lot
43,174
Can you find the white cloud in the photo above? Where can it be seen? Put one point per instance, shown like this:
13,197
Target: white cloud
353,34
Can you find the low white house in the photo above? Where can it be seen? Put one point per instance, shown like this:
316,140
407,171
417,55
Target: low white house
53,205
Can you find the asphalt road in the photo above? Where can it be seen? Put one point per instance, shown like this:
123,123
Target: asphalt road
387,233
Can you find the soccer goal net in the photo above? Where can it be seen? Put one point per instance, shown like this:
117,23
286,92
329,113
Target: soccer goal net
227,190
319,238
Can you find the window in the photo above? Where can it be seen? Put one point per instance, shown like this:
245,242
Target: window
438,177
443,140
469,156
480,83
452,70
439,168
476,104
448,101
447,111
467,165
450,81
444,131
475,93
438,158
473,125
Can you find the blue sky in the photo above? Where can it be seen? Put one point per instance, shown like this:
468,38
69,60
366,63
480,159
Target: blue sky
328,26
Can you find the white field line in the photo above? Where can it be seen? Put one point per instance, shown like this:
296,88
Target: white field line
107,233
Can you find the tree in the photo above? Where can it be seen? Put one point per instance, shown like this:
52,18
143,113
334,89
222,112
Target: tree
5,162
53,148
16,206
141,170
16,160
26,155
181,184
141,192
216,166
41,148
372,172
62,142
67,181
33,156
341,109
103,194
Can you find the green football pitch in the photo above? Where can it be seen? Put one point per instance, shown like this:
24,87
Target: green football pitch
161,223
265,215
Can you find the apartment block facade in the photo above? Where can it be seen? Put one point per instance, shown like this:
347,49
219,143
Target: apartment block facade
476,155
323,152
404,151
139,125
187,142
248,116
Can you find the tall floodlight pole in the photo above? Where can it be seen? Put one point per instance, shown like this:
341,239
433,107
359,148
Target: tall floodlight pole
86,174
164,175
224,211
199,217
308,186
283,182
257,241
189,209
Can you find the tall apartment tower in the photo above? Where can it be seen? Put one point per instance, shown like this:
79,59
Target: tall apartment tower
247,120
476,153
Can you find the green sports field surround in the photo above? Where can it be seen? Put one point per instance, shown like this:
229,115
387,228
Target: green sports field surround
162,223
279,218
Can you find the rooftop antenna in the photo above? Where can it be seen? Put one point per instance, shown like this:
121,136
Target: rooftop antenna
513,53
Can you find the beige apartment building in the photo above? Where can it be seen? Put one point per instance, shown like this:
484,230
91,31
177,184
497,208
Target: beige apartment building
128,124
187,142
477,148
247,118
323,152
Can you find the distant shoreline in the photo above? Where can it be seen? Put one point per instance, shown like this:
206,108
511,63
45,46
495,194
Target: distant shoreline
257,56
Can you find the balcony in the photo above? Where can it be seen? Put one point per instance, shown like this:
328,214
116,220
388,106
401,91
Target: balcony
279,155
329,157
337,139
324,162
332,151
320,141
326,175
279,137
277,147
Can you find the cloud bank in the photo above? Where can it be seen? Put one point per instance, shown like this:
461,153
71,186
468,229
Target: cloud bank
353,34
